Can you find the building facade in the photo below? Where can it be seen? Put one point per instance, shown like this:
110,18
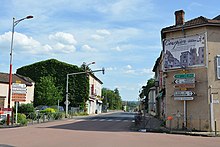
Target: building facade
190,70
15,79
94,104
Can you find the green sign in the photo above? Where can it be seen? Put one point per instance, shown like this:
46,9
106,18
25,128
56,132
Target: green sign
184,76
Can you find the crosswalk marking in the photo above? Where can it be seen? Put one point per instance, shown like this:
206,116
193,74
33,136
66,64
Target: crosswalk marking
110,120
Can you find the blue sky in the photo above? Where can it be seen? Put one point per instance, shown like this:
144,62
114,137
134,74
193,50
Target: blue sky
121,35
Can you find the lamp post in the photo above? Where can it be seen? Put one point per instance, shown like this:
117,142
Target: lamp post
15,22
67,83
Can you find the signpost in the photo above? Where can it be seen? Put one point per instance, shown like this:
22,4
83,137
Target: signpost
19,92
183,93
185,81
184,86
183,98
184,76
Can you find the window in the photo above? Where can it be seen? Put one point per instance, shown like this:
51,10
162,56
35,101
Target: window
218,66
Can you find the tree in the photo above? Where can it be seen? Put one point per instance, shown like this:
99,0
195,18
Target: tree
78,84
112,98
46,93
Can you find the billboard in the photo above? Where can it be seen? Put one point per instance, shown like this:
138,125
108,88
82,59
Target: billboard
184,52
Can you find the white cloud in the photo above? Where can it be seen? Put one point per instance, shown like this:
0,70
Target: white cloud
27,45
117,49
110,68
97,37
62,48
129,67
103,32
65,38
88,48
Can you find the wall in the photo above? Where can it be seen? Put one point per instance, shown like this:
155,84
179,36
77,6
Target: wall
198,112
4,92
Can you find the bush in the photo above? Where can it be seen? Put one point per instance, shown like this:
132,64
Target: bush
58,115
25,108
48,110
22,119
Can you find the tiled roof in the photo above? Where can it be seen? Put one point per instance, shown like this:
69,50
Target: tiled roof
4,78
195,22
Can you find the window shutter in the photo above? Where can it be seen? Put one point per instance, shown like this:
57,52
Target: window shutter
218,66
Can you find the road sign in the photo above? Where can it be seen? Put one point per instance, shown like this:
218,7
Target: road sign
184,76
19,92
183,98
183,93
184,81
180,86
67,103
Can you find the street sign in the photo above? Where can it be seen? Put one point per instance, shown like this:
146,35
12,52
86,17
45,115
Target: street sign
185,81
184,76
67,103
183,98
19,92
184,86
183,93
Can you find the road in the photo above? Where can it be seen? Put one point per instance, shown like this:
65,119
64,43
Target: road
106,130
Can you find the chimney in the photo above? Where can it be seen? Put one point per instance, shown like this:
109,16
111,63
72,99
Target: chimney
179,15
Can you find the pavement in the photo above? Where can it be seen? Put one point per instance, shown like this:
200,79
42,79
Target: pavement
150,123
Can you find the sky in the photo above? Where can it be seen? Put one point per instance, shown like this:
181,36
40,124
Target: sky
123,36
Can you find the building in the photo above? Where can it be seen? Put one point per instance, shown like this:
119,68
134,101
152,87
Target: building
94,104
16,78
160,87
152,101
189,72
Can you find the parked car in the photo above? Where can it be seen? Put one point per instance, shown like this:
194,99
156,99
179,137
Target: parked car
3,117
41,107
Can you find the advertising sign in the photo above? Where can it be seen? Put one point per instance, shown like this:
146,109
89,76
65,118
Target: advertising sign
184,52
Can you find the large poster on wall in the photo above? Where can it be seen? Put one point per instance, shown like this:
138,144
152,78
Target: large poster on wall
184,52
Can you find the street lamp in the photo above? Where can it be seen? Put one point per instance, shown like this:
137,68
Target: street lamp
15,22
67,83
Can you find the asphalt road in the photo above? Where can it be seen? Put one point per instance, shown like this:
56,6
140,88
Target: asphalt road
108,130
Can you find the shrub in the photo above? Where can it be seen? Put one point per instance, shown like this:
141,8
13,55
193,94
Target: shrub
48,110
58,115
22,119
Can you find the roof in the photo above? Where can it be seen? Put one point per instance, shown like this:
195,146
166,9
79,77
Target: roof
196,22
97,79
4,78
157,62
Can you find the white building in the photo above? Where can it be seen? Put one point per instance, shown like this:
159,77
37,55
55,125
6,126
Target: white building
4,80
94,104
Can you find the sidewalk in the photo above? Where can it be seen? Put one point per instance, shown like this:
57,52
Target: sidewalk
150,123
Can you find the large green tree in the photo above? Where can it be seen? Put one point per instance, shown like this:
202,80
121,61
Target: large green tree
46,93
112,99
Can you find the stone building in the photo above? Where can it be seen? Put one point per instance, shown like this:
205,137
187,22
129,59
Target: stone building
191,72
